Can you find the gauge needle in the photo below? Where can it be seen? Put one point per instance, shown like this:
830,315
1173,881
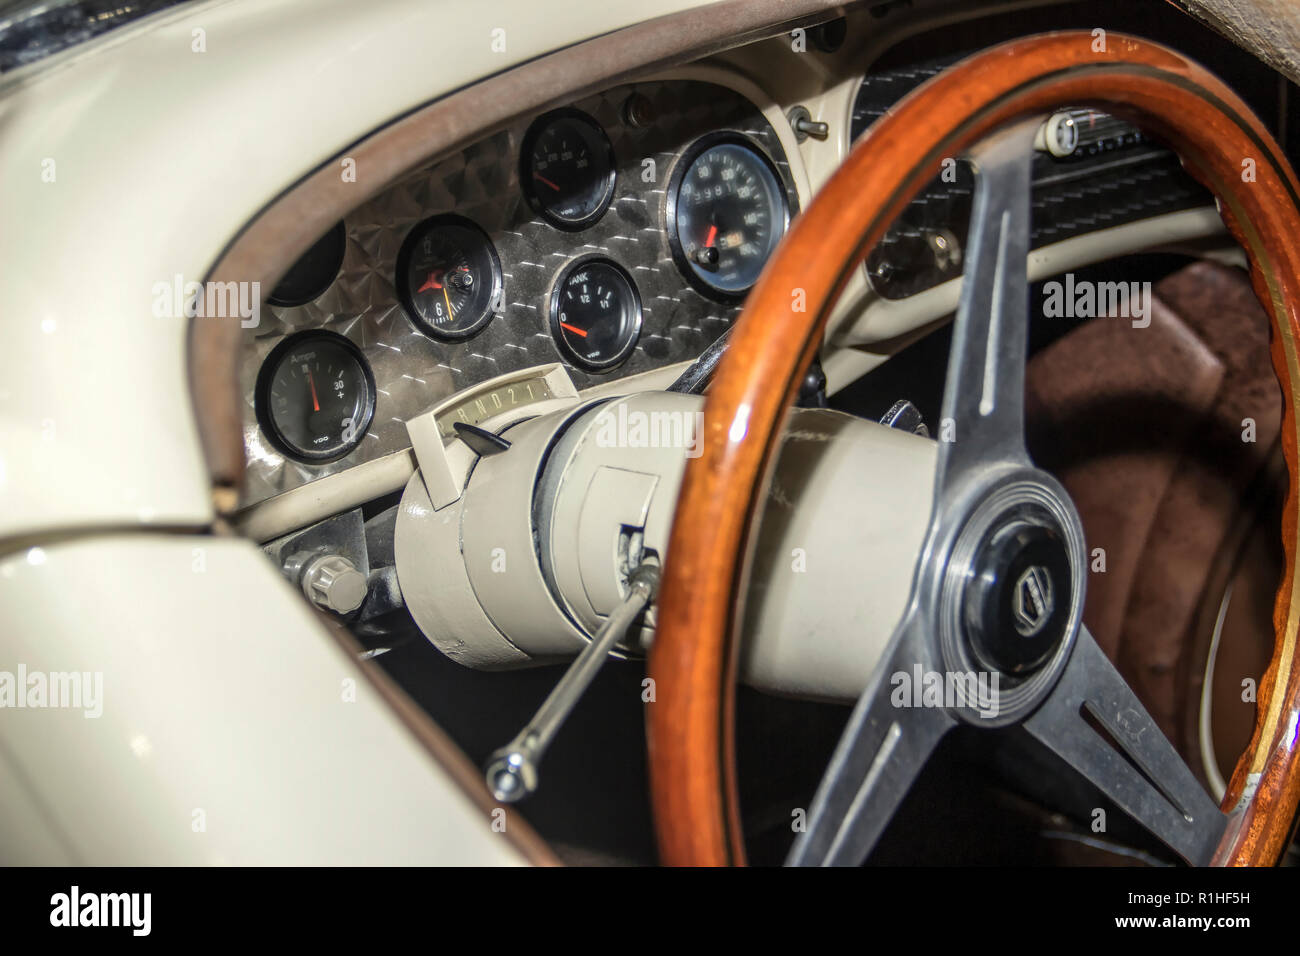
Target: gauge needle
713,234
315,402
450,312
573,328
542,179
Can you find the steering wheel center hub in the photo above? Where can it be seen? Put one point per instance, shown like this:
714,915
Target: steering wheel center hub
1010,599
1032,602
1017,600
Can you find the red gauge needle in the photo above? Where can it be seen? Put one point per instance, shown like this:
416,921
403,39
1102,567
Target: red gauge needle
713,234
431,282
315,402
573,328
542,179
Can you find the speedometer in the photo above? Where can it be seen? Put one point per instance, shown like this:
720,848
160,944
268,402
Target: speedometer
727,211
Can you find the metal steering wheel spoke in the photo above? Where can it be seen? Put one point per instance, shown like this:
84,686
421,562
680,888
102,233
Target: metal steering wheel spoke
1000,582
982,422
885,745
882,751
1138,768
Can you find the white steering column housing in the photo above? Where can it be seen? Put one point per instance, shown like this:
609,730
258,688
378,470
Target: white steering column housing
533,556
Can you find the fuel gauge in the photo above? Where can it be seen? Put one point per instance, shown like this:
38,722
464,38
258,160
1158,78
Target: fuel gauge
595,313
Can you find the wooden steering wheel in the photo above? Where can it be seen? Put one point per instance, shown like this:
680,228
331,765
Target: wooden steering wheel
998,524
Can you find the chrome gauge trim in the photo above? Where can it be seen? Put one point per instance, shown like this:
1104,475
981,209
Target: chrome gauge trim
632,335
604,183
672,199
480,181
265,378
403,285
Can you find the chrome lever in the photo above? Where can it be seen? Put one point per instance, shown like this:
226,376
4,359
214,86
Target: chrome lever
512,771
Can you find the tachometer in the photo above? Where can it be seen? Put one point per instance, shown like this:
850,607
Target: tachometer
595,313
567,169
315,396
727,210
449,277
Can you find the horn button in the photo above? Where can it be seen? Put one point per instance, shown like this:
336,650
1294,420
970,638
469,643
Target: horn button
1017,600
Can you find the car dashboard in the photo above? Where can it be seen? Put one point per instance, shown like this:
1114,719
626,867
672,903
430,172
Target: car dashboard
606,243
396,453
558,243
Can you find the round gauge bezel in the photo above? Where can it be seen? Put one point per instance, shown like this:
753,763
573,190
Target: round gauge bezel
683,163
418,232
535,203
262,405
638,318
334,244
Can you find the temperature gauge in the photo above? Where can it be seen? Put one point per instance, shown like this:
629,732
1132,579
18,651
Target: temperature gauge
568,169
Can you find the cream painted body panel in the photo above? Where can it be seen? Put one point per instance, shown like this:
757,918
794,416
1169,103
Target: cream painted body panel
220,695
160,155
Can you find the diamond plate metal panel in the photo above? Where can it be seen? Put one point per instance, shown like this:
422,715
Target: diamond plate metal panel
413,372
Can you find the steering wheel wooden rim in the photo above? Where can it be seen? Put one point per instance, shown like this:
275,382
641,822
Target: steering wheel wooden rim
693,662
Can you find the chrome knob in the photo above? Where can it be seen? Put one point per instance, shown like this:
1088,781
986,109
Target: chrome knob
333,583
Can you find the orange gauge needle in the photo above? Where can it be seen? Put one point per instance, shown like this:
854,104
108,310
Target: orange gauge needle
713,234
315,402
450,314
573,328
542,179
